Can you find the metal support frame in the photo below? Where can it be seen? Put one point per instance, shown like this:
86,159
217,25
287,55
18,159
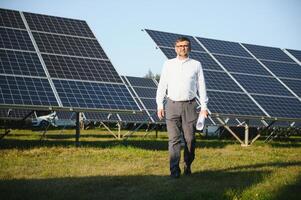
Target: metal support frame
77,133
111,132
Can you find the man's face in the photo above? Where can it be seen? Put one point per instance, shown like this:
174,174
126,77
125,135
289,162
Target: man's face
182,48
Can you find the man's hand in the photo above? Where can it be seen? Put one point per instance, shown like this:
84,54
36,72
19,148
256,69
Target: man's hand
204,113
160,113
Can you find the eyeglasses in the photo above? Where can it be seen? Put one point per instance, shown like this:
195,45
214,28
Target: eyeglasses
180,46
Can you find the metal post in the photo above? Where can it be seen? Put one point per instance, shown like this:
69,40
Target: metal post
246,134
77,134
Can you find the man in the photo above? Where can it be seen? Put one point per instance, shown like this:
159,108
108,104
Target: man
181,77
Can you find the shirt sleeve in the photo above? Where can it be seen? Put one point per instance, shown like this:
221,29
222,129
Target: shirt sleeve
162,87
202,88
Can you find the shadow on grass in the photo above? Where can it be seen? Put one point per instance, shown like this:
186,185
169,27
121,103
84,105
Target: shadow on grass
209,184
203,185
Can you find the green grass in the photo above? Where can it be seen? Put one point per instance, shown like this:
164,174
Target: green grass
104,168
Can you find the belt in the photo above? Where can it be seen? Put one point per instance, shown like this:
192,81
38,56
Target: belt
188,101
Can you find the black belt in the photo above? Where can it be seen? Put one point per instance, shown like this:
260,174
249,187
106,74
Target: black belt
188,101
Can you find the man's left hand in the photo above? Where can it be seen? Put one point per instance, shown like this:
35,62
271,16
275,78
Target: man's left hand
204,113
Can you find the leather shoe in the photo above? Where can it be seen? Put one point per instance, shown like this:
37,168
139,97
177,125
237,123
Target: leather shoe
187,170
175,175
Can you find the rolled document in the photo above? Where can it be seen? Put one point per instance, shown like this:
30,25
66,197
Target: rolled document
200,123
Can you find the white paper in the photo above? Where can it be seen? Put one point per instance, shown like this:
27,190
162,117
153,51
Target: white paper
200,123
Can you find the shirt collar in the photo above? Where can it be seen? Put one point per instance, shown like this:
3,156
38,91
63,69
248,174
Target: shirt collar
182,61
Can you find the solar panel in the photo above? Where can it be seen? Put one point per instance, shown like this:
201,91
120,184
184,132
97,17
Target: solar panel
262,85
58,25
11,18
143,82
165,39
268,53
103,117
16,90
16,114
224,47
280,106
67,45
294,85
232,103
20,63
57,63
89,95
135,118
295,53
80,68
242,65
146,92
220,81
284,70
15,39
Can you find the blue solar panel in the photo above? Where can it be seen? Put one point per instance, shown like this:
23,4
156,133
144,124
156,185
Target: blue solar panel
16,114
146,92
67,45
80,68
150,104
242,65
20,63
59,25
284,70
220,81
268,53
15,39
133,118
294,85
143,82
233,104
262,85
168,39
224,47
295,53
280,106
104,117
11,18
92,95
205,59
26,91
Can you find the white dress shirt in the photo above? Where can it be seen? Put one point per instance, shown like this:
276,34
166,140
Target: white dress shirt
182,79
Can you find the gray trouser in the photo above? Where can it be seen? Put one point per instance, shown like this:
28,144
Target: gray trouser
181,117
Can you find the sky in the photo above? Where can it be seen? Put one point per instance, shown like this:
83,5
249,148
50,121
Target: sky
118,24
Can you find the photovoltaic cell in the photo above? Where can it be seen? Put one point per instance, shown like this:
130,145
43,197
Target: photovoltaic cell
204,58
90,95
16,114
242,65
168,39
262,85
280,106
143,82
150,104
294,85
20,63
146,92
268,53
26,91
220,81
15,39
66,45
51,24
295,53
284,70
232,103
80,68
133,118
103,116
224,47
11,18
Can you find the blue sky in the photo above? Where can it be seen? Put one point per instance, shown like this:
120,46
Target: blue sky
117,24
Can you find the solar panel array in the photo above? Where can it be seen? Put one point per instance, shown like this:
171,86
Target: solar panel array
244,79
54,62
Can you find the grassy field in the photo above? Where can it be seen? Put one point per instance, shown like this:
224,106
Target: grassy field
104,168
